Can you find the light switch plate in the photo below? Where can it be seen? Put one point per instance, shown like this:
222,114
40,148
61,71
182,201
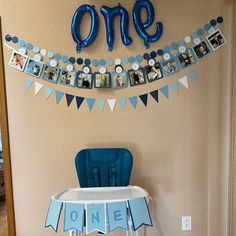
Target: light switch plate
186,223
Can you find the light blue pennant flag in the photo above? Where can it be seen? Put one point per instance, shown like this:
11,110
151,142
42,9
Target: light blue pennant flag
122,102
53,215
90,102
165,91
193,75
59,96
175,86
101,104
28,83
74,216
117,216
95,218
47,92
133,101
139,213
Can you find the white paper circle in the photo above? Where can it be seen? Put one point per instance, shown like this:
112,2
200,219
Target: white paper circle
86,69
135,66
117,61
37,57
151,62
211,30
43,52
53,63
102,70
69,67
119,69
22,51
166,56
187,39
182,49
197,41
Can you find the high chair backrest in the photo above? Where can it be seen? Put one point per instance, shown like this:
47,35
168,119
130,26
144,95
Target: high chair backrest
103,167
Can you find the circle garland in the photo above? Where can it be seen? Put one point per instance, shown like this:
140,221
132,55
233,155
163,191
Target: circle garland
150,57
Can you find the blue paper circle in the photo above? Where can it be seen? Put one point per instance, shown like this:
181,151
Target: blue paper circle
146,56
64,59
174,46
200,32
109,62
153,54
50,54
102,62
166,49
58,57
14,39
207,27
213,22
181,43
22,43
139,58
79,61
194,35
125,61
160,52
95,62
131,60
8,38
29,46
87,61
220,19
36,50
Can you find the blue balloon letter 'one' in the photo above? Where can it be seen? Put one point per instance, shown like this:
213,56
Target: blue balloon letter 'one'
75,26
141,27
109,14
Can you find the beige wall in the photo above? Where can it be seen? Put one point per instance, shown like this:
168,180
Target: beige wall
179,146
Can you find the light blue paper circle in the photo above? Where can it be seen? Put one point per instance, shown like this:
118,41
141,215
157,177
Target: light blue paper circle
166,49
36,50
22,43
207,27
95,62
125,61
64,58
194,35
50,54
102,62
131,60
109,62
200,32
29,46
58,56
174,46
139,58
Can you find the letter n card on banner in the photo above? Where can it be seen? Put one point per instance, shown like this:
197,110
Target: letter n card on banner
53,216
139,213
117,216
95,218
74,216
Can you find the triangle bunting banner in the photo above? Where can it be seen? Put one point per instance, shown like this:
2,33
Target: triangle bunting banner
184,81
37,87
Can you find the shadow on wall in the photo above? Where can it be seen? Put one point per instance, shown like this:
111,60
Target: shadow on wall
150,173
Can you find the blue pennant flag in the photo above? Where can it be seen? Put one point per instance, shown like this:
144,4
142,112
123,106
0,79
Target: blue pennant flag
28,83
165,91
47,92
122,102
79,101
53,215
90,102
74,216
95,218
144,99
101,104
139,213
69,99
155,95
133,101
117,216
175,86
59,96
193,75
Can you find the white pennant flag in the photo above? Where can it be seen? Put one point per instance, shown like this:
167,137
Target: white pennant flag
184,81
112,103
37,88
